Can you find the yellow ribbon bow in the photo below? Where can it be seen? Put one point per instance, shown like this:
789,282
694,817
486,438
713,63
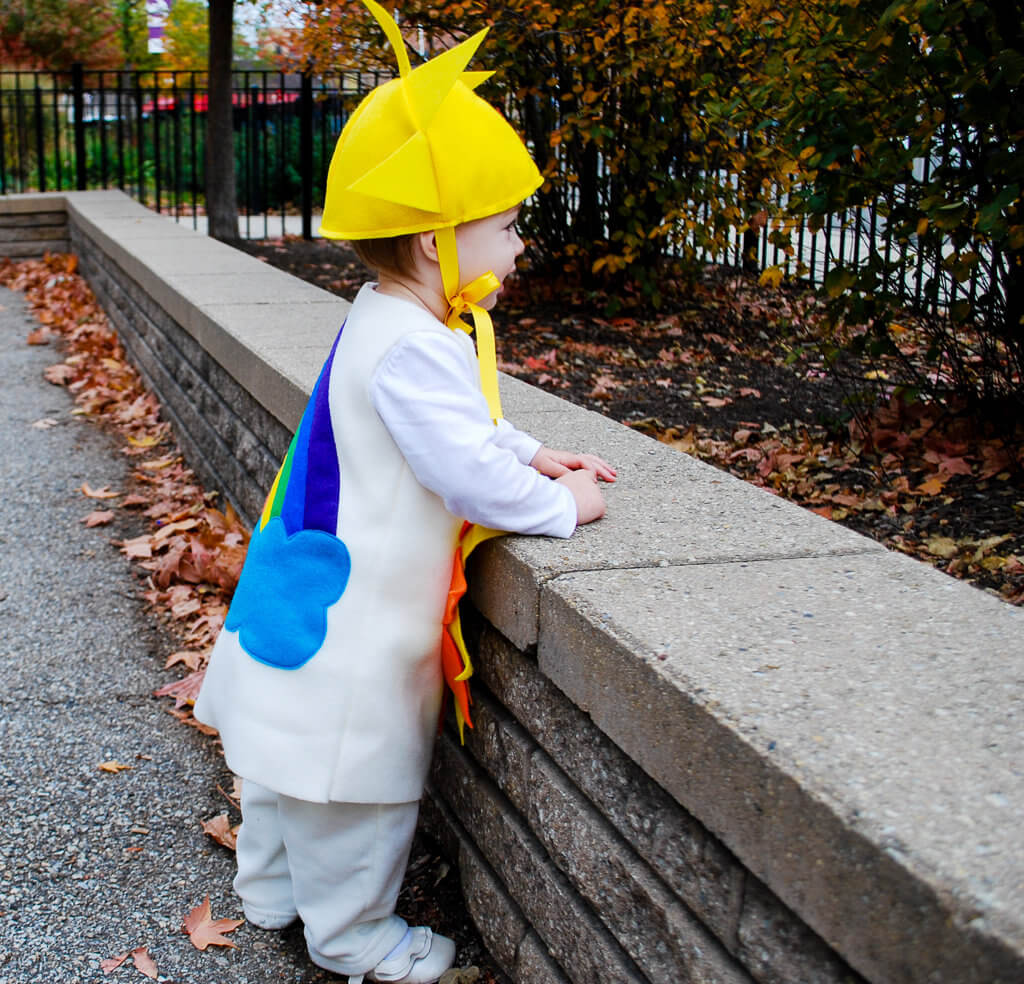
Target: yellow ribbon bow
466,300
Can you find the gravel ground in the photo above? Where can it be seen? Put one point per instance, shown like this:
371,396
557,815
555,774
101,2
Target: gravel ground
95,863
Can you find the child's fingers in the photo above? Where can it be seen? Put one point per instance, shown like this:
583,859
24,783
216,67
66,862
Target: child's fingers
599,466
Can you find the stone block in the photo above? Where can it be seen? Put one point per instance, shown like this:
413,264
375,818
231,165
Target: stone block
500,921
535,964
808,712
692,862
665,510
650,923
575,937
778,948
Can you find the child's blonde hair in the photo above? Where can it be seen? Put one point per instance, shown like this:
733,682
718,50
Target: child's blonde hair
389,255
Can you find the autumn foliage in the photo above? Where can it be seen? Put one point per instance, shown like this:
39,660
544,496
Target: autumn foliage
672,133
54,34
611,98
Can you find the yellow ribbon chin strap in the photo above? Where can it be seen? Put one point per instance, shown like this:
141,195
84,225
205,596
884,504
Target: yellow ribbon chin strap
466,300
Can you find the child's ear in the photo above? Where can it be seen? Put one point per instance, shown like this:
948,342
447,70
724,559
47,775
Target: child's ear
428,245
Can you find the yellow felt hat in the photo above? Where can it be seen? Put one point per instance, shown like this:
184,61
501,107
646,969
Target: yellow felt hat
423,151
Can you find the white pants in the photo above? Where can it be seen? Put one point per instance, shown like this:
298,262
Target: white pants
338,866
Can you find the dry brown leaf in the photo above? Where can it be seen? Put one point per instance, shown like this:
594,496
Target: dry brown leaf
45,423
144,962
942,546
189,657
112,963
185,690
144,442
98,517
204,931
933,486
103,493
171,528
159,463
140,546
220,829
41,336
112,766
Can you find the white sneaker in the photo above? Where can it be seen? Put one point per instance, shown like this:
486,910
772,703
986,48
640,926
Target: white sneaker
424,958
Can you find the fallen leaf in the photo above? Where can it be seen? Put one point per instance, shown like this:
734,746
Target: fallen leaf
189,657
185,690
220,829
144,442
112,766
45,423
933,486
942,546
41,336
112,963
140,546
716,401
144,962
158,463
204,931
59,375
103,493
98,517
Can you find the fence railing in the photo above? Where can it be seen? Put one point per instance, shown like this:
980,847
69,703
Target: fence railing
145,133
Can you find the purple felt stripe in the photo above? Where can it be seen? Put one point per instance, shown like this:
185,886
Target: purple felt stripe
323,477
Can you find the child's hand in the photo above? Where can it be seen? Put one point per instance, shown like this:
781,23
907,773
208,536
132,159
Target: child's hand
555,464
582,483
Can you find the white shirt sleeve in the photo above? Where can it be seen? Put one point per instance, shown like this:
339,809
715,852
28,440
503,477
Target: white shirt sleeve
427,393
521,445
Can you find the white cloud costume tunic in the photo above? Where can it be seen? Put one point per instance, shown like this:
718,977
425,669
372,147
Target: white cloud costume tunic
325,683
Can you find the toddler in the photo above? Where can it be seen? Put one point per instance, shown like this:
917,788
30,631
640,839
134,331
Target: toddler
326,682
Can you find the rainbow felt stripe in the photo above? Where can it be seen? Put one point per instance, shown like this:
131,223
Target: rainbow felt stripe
307,490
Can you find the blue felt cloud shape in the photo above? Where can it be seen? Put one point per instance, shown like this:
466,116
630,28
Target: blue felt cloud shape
287,585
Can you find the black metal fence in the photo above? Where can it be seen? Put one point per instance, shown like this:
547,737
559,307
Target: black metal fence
145,133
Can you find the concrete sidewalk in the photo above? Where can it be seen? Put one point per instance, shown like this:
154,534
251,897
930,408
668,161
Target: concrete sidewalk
92,863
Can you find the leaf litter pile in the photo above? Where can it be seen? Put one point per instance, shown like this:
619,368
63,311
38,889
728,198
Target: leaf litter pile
190,560
735,375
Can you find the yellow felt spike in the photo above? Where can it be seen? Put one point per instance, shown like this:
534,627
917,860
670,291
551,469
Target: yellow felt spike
405,178
429,83
393,33
472,79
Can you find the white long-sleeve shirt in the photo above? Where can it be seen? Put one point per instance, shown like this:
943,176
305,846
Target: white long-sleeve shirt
427,392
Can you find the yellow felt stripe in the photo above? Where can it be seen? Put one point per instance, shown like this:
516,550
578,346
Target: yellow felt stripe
269,504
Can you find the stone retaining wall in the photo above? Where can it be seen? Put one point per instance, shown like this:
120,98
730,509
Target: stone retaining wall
717,738
31,226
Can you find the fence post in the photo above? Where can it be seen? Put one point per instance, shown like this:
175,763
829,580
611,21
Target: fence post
306,152
78,97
